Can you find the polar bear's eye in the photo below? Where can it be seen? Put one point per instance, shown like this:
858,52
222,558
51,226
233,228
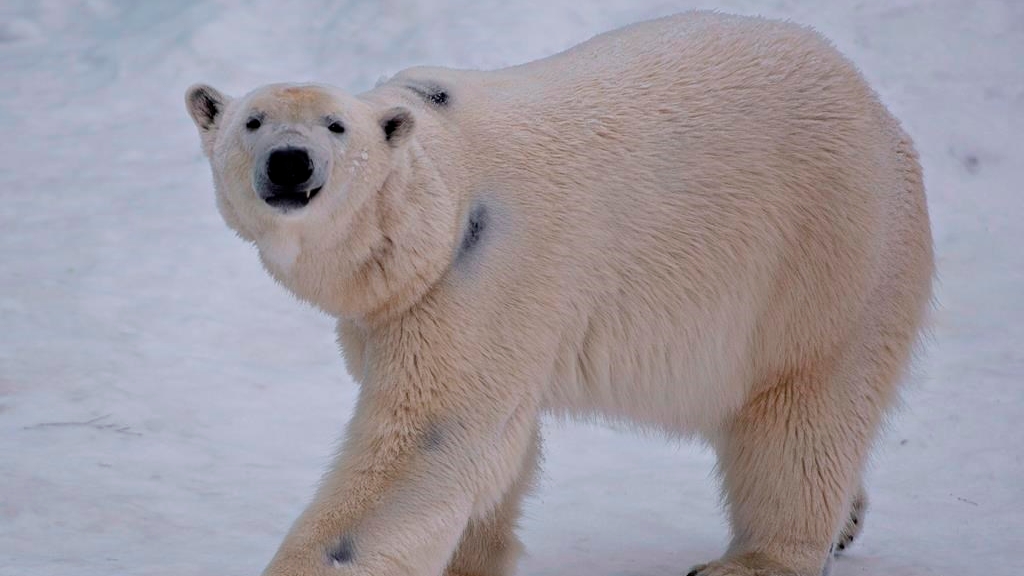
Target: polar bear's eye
336,127
253,124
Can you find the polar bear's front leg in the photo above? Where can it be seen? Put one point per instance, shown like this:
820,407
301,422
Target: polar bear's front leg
490,546
434,443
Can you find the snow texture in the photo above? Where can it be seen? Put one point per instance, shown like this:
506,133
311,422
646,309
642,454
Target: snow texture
166,409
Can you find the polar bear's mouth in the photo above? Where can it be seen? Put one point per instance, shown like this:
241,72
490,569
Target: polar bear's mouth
292,200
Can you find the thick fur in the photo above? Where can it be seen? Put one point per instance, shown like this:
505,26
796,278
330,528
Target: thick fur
705,224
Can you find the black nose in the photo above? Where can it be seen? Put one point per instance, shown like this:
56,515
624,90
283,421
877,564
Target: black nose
289,167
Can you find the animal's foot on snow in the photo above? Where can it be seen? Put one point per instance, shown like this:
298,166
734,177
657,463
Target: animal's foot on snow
751,564
854,524
732,569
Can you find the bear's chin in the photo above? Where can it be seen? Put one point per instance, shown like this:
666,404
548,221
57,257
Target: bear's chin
278,251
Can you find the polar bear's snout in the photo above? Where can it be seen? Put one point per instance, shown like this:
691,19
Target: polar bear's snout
289,177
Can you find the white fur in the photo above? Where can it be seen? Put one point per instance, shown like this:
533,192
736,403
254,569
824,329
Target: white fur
705,224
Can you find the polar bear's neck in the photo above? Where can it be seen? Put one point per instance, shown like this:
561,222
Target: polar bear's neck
414,224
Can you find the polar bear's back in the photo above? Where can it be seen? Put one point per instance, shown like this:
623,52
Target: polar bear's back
759,127
709,103
726,186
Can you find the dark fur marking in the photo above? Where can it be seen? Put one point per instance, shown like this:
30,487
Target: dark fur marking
432,94
433,437
344,551
475,227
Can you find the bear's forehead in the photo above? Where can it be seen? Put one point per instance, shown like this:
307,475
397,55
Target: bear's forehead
294,99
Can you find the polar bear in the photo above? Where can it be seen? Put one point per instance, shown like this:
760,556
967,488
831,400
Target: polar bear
704,224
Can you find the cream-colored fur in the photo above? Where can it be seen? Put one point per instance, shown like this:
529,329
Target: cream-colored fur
706,224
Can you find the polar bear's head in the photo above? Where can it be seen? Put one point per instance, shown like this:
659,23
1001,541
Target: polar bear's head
308,173
277,150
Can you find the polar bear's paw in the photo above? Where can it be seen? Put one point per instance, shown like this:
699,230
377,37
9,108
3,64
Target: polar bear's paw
854,524
751,564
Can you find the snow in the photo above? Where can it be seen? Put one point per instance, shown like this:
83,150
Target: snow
165,408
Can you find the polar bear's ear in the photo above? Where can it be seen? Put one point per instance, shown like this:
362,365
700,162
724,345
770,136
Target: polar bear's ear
397,124
205,105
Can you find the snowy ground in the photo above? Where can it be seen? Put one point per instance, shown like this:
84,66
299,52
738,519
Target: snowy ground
165,409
